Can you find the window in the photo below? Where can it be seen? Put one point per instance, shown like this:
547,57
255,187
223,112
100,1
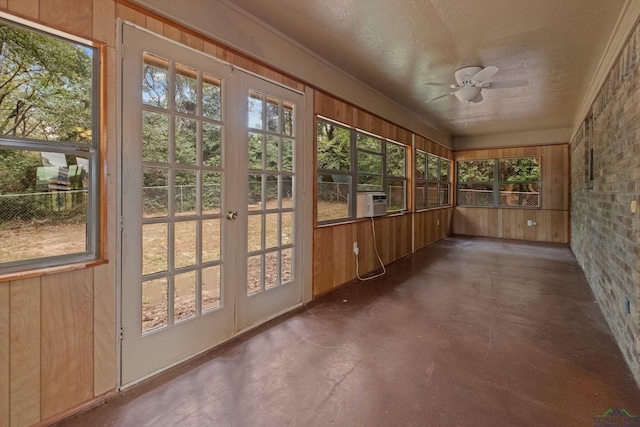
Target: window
499,182
48,149
432,181
346,156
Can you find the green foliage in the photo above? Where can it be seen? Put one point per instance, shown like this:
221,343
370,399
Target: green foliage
520,170
334,147
475,171
396,160
18,171
45,87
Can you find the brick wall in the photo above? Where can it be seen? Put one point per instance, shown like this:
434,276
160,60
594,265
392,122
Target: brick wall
605,234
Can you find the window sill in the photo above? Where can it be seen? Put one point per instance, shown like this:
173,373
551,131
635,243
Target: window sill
366,218
27,274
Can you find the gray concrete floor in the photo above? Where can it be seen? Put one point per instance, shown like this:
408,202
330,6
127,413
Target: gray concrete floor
466,332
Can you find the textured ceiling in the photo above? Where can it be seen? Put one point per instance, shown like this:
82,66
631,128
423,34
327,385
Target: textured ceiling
396,46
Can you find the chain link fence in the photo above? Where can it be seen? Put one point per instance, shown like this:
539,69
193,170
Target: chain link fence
44,207
155,200
507,198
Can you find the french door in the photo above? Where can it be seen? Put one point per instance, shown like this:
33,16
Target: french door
211,230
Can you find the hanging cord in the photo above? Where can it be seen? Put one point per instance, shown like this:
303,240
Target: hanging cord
375,246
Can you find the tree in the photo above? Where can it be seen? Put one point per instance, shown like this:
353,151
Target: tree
334,147
45,87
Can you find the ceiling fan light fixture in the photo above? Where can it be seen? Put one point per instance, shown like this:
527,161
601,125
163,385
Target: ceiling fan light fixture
468,93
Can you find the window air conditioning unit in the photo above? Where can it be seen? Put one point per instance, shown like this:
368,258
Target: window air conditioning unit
371,204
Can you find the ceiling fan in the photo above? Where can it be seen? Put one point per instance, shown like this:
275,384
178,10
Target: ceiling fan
471,81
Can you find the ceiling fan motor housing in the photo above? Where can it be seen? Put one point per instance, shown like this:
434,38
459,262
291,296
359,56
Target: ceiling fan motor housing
463,75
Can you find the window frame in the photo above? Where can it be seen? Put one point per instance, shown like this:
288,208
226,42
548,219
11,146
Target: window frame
439,181
354,174
496,183
91,150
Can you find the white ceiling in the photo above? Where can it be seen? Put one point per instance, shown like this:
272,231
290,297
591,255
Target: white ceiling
396,46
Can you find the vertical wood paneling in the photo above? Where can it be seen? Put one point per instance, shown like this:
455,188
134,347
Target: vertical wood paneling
74,16
104,21
4,4
25,352
5,307
26,8
67,341
104,328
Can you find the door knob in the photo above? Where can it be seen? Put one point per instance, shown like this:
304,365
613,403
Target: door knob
232,214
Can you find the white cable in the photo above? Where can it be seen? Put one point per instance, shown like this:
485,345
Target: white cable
373,231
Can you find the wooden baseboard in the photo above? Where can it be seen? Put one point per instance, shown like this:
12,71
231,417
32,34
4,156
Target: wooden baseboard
99,400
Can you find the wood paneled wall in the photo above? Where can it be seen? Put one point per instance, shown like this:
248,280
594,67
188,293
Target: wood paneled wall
396,236
552,219
333,258
51,358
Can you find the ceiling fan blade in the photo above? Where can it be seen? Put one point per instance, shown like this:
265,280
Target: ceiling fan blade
478,98
438,97
505,85
438,84
485,74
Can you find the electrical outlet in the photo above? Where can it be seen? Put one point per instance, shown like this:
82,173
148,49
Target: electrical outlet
529,223
437,222
634,206
356,249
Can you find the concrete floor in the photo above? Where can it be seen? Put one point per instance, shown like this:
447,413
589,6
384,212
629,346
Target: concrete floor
467,332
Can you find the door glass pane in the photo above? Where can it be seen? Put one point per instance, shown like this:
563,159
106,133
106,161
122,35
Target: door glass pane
211,145
271,190
255,151
185,192
210,288
255,110
186,89
211,192
254,274
273,114
155,193
255,192
155,137
272,269
287,155
272,153
154,304
211,97
286,265
254,233
211,240
184,296
184,251
287,192
186,139
271,229
154,82
287,117
155,242
286,232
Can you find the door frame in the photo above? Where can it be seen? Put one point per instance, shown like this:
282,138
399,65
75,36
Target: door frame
306,180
